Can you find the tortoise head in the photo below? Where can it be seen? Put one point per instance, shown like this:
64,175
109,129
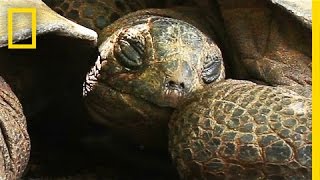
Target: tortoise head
148,65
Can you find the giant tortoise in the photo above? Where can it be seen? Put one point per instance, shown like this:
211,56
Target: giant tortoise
225,85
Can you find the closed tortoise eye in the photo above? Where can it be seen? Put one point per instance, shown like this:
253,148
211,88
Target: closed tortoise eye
130,50
211,69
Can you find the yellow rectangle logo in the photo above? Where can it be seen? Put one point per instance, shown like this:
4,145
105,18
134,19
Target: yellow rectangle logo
11,11
315,89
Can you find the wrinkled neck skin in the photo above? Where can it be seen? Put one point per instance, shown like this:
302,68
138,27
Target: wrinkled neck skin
148,66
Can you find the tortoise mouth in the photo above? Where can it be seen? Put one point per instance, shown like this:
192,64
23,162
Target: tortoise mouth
171,97
168,99
163,98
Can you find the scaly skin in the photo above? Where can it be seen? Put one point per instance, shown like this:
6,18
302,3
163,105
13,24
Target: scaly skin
127,90
116,107
173,59
95,14
238,129
14,139
119,96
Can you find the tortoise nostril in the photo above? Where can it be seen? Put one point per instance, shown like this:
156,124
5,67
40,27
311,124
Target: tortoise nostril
173,84
182,85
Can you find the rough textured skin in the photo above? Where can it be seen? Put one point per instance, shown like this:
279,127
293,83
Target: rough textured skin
95,14
131,91
14,139
148,64
237,129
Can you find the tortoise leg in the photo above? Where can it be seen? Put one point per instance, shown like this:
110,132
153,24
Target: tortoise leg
237,129
14,138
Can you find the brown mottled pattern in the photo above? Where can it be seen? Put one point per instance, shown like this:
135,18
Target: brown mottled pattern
14,139
237,129
138,102
95,14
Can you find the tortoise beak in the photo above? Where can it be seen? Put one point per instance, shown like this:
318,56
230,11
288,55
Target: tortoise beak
172,97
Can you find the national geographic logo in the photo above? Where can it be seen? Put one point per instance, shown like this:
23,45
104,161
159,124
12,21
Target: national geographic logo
11,12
